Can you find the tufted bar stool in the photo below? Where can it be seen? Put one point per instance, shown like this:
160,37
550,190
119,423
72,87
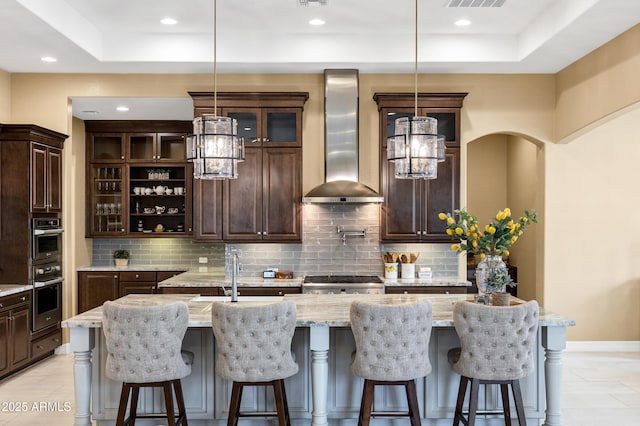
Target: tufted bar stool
143,350
497,347
392,348
253,343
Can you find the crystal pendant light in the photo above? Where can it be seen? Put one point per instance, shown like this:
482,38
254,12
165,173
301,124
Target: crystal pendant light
414,146
214,147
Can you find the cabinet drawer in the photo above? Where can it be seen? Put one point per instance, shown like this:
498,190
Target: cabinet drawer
46,344
138,276
426,290
15,299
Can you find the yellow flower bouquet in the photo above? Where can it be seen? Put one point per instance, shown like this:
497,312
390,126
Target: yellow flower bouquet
494,239
491,241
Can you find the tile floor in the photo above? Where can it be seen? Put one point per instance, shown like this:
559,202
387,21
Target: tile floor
599,389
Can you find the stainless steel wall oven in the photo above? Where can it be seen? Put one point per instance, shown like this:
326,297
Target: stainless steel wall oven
46,273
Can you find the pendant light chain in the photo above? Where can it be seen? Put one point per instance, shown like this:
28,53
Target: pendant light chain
415,70
215,62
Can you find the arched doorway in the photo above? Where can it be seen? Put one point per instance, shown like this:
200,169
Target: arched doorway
506,170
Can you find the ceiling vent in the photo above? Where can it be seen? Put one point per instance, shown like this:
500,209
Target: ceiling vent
475,3
312,2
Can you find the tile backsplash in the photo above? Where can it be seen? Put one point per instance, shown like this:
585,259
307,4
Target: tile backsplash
322,251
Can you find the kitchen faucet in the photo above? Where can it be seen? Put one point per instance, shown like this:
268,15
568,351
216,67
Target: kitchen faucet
234,278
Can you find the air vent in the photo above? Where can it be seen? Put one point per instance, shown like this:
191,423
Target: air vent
312,2
475,3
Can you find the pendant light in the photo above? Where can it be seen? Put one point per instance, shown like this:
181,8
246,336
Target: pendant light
414,146
214,147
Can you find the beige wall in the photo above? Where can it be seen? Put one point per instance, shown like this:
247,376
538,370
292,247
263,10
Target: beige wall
599,84
506,104
5,97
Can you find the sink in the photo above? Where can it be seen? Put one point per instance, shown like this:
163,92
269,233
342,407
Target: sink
240,299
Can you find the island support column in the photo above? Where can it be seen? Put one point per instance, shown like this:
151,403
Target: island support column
82,343
319,343
554,340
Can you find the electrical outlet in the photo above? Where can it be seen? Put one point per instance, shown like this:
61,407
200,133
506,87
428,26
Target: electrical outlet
202,260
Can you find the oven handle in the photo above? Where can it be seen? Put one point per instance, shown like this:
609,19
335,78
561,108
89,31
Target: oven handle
47,231
38,284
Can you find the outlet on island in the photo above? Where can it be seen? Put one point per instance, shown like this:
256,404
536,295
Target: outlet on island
202,260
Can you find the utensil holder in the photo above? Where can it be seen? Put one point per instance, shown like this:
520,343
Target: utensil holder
391,270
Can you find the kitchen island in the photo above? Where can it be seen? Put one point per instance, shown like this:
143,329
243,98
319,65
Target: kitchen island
324,392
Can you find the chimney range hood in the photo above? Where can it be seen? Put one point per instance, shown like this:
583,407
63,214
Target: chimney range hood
341,143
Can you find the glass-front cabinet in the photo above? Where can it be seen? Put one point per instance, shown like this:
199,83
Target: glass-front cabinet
156,147
138,180
107,207
275,127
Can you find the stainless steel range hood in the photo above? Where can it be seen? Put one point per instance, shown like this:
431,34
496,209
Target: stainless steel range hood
341,143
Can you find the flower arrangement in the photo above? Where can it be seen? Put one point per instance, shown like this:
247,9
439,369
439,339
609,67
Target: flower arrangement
494,239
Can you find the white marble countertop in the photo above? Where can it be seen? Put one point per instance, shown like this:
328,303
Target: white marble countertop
331,310
135,267
9,289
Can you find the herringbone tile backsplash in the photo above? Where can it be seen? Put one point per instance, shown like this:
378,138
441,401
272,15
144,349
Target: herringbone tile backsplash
322,250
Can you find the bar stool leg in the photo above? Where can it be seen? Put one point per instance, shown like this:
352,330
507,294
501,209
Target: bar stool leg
168,403
367,403
182,411
506,409
462,390
277,394
122,406
234,406
473,401
412,400
517,397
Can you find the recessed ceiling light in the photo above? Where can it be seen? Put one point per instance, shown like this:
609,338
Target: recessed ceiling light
168,21
463,22
48,59
316,22
123,108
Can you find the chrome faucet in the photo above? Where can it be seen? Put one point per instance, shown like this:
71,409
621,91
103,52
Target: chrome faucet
234,278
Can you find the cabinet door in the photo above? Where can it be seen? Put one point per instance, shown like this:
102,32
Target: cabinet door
242,218
38,178
207,209
400,216
171,147
249,122
54,180
141,147
441,195
106,203
282,127
95,288
281,183
5,343
106,147
21,334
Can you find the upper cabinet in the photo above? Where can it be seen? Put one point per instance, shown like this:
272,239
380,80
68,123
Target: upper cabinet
46,178
264,202
410,209
138,180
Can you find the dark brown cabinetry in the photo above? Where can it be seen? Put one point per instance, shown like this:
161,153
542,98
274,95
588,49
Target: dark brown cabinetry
242,291
30,186
46,179
96,287
410,209
15,332
125,155
264,202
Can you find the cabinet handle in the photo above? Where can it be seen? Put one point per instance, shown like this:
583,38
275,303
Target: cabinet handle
137,276
1,305
39,347
56,340
122,157
115,277
259,233
280,293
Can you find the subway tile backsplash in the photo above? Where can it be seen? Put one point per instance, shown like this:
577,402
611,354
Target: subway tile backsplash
322,251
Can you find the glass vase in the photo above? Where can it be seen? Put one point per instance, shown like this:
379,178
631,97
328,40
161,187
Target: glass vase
486,266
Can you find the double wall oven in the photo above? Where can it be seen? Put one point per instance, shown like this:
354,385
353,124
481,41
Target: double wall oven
46,264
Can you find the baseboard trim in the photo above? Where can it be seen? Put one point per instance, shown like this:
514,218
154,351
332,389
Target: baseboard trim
604,346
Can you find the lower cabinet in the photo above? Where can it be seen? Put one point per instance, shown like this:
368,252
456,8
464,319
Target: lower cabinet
242,291
15,331
96,287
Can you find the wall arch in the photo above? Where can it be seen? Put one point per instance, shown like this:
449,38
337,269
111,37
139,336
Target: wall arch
507,169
